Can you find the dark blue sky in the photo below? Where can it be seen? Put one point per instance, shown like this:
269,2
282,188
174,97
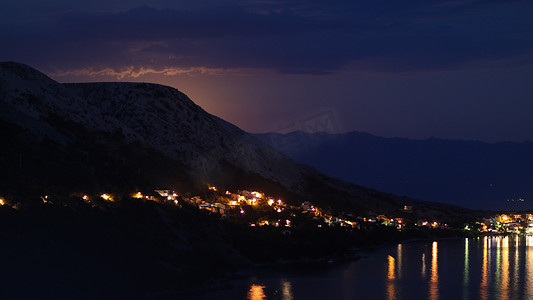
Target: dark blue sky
450,69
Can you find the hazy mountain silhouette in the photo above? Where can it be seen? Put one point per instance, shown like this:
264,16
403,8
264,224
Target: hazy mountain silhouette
467,173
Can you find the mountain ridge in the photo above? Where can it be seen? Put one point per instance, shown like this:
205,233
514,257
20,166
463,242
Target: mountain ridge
82,103
475,174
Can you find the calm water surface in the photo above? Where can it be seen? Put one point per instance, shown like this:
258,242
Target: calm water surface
480,268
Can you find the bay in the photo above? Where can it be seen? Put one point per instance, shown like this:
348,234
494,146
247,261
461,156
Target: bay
497,267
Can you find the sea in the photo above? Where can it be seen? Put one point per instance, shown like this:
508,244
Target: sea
490,267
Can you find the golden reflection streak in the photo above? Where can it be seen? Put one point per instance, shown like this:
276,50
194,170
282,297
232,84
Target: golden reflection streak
517,265
529,266
399,261
504,287
498,274
466,271
391,276
434,277
256,292
286,290
483,289
391,272
423,265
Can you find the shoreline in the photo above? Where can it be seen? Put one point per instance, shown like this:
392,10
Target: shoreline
302,263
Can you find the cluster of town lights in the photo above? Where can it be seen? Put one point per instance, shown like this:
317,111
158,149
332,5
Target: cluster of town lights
233,204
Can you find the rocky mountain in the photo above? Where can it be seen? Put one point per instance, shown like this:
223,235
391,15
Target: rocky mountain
68,137
155,116
467,173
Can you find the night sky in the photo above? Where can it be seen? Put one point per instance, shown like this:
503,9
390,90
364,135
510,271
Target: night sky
448,69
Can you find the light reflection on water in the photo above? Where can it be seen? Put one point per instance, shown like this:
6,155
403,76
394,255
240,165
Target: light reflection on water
434,279
391,276
399,259
505,269
528,256
466,269
423,265
480,268
256,292
483,291
286,290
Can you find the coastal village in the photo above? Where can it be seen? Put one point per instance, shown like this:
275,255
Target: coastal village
259,209
516,223
269,211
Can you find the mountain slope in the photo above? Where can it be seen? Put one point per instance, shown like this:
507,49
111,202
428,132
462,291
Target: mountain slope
154,115
467,173
126,135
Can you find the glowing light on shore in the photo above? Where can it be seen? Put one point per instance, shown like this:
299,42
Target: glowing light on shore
106,197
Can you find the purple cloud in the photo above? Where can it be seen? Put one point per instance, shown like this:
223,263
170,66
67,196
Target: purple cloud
315,37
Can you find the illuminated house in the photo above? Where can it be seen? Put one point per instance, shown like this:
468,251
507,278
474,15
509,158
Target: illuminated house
407,208
209,207
503,218
246,193
306,205
165,193
221,208
196,200
215,208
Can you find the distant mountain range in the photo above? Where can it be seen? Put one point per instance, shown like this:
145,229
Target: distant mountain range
467,173
68,138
